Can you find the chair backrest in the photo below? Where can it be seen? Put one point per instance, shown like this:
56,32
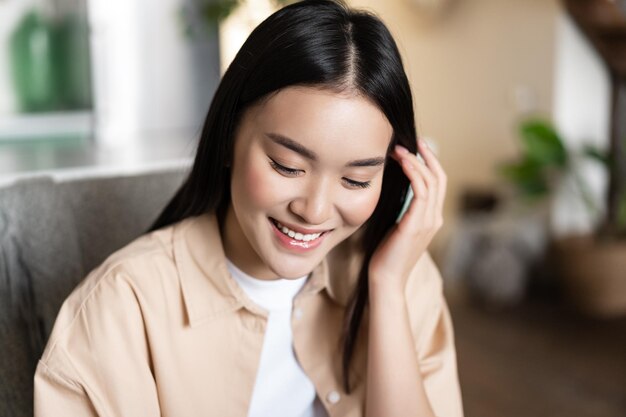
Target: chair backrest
51,235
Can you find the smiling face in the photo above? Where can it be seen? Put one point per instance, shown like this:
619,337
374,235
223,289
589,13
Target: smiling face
307,172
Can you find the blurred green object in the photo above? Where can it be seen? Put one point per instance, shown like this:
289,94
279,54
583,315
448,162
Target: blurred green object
543,144
214,11
33,61
73,74
50,63
545,160
211,12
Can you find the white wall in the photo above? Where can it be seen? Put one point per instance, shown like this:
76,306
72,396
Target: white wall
149,78
582,99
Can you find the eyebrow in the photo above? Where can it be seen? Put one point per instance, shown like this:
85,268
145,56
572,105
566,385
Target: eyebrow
309,154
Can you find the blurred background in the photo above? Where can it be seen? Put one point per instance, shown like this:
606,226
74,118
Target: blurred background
524,102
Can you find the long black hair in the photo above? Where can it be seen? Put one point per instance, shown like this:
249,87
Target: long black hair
318,43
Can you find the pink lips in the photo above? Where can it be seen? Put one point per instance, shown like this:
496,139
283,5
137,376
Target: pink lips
296,245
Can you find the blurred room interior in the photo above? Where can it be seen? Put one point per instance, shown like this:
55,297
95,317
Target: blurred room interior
524,102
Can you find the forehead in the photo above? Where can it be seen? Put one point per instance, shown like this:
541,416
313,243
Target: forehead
344,125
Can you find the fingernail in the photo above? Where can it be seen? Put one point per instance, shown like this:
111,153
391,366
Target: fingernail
401,149
425,145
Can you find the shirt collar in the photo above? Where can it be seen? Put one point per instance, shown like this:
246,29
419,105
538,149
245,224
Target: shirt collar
209,290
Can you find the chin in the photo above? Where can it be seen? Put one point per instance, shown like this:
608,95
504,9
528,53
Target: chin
297,269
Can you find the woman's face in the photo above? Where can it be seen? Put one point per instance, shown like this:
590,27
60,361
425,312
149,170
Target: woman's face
307,172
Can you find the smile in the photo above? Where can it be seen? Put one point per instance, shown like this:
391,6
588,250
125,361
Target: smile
296,235
297,239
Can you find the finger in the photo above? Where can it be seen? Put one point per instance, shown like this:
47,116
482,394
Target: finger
433,163
431,179
400,149
429,156
414,217
430,214
413,159
398,153
426,212
427,217
431,159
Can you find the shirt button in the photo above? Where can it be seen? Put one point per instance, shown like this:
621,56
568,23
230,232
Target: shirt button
333,397
297,313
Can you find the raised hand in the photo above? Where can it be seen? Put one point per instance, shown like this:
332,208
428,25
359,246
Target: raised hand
405,243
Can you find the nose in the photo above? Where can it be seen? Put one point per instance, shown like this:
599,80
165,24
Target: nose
314,204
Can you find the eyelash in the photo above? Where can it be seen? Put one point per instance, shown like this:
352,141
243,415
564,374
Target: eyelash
282,168
358,184
293,172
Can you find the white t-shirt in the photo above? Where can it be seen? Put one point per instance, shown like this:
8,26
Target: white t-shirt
281,387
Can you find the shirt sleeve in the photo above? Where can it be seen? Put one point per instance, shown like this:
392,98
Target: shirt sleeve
97,360
56,396
434,338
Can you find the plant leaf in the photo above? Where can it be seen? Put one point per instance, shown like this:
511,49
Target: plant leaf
597,154
542,143
528,177
217,10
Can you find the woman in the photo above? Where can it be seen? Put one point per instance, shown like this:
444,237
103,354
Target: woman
280,280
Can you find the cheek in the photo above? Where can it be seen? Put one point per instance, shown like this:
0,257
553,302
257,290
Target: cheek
258,185
357,209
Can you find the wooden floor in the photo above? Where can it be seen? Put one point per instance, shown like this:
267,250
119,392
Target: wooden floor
541,359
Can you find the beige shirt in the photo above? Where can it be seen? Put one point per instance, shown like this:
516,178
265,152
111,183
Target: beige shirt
162,329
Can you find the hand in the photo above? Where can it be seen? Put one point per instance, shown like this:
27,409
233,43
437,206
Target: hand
407,241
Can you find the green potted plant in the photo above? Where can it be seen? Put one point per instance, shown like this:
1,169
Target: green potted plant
592,267
49,58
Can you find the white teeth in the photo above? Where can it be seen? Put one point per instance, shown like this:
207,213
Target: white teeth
296,235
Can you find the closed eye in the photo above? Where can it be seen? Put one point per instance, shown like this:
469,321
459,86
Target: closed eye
292,172
357,184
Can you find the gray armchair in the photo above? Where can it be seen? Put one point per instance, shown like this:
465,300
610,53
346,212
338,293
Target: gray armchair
51,235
